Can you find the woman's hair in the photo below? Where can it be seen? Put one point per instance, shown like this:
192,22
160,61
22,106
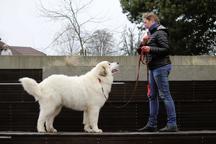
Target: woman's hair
151,16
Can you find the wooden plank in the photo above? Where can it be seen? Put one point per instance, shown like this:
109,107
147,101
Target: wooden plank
187,137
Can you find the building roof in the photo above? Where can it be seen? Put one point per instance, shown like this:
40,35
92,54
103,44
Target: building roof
17,50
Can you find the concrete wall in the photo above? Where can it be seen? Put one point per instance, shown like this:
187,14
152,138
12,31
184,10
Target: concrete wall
184,67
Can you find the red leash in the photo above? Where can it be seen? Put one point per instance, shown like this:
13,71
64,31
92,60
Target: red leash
142,58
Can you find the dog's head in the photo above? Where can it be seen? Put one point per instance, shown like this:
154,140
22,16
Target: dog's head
106,68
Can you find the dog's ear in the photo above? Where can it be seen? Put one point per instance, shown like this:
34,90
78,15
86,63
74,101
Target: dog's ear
103,71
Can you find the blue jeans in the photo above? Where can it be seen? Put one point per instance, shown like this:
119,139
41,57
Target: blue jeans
159,86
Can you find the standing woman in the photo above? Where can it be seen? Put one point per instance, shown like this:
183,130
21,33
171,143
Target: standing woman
157,51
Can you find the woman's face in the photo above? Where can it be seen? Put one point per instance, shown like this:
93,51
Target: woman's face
148,23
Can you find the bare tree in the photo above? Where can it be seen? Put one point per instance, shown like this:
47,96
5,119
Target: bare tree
130,41
101,43
73,32
67,40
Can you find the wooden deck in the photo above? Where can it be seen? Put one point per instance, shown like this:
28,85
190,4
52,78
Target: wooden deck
181,137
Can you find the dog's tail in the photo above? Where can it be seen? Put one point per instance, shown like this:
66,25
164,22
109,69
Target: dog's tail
31,87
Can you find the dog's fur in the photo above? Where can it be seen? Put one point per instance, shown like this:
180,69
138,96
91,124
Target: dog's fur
82,93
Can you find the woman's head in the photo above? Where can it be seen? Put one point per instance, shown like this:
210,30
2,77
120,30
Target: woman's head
149,19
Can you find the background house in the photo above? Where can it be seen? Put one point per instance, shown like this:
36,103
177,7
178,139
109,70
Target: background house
17,50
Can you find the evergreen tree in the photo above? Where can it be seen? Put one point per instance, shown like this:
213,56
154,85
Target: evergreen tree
191,23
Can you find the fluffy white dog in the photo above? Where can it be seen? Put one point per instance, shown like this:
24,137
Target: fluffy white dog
86,93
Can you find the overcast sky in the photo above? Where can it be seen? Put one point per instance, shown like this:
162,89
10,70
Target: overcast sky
21,23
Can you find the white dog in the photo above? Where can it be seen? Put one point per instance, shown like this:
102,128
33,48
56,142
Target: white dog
86,93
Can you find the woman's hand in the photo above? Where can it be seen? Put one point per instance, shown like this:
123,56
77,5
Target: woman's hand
146,49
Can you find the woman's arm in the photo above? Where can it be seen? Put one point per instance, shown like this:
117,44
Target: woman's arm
162,44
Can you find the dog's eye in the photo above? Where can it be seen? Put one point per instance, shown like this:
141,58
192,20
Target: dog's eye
109,63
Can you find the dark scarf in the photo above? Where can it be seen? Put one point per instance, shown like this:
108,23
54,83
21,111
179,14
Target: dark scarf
153,27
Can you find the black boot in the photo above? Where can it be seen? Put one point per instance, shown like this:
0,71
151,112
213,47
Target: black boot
147,129
169,129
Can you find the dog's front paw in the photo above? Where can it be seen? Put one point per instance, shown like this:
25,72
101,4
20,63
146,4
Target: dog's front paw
88,129
97,130
52,130
41,131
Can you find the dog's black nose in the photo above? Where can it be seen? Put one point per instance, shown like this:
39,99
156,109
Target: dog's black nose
117,62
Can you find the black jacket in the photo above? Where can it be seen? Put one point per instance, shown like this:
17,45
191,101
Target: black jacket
159,48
